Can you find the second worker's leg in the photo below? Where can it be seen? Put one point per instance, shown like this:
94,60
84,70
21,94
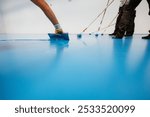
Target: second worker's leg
123,24
131,26
117,22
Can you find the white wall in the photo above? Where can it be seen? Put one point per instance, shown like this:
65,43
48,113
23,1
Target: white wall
22,16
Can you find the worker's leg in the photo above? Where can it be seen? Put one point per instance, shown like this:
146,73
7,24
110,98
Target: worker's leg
127,17
49,13
131,26
117,22
123,24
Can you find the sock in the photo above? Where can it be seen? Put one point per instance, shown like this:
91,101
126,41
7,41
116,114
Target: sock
57,26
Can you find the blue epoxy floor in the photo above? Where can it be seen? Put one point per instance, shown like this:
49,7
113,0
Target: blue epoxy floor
31,67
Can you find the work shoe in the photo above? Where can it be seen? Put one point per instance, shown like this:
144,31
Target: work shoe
128,35
146,37
58,31
118,36
112,34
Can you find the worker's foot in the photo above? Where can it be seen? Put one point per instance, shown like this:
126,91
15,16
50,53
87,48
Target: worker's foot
112,34
58,31
118,36
128,35
146,37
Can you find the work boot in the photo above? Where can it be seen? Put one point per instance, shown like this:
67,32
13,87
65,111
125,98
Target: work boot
118,36
112,34
147,37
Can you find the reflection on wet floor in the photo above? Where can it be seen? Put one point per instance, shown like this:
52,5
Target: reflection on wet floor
86,68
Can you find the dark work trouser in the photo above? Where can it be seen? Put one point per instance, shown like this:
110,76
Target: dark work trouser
127,18
130,27
118,20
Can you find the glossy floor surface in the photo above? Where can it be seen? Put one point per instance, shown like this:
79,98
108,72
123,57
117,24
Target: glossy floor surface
85,68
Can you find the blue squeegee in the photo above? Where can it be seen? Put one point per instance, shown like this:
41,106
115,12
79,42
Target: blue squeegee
64,36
